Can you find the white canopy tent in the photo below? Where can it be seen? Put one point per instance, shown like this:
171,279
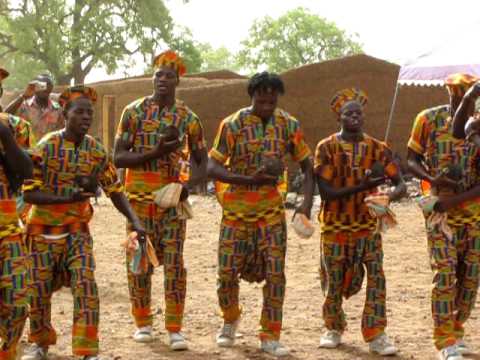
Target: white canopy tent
430,69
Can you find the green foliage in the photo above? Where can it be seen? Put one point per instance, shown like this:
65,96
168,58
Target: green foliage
70,37
294,39
217,59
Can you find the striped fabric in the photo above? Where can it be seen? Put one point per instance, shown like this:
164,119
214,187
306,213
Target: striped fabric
345,164
456,280
8,203
253,251
141,124
432,138
344,256
67,261
167,234
240,143
15,284
56,163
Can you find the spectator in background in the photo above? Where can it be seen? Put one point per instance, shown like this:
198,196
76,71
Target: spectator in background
35,106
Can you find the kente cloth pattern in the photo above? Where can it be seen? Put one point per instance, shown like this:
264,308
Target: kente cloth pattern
241,142
458,84
167,234
344,259
432,138
346,95
344,164
456,267
170,59
253,251
42,120
141,124
15,283
56,163
8,202
74,92
65,261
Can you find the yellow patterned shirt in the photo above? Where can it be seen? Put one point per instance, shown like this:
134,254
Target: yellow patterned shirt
56,163
432,138
247,141
141,124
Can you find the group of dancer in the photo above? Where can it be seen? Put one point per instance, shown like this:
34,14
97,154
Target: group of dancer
45,244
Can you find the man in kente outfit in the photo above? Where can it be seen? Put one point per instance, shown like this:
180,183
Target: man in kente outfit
250,149
349,165
154,160
15,279
447,164
68,167
35,106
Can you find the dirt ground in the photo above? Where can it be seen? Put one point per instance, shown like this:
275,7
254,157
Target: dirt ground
408,281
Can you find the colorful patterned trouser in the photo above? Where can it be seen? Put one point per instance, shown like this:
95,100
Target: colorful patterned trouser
455,264
14,288
344,255
237,238
66,261
167,234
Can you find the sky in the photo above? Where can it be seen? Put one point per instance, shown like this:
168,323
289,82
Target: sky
396,31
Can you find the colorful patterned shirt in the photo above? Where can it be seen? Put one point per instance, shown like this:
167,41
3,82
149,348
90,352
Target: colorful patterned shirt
432,138
8,204
344,164
56,163
141,124
42,120
241,142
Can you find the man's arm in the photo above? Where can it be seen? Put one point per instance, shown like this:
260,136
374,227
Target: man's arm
308,187
17,159
39,197
217,171
400,189
200,156
464,110
124,158
119,200
416,167
13,107
328,192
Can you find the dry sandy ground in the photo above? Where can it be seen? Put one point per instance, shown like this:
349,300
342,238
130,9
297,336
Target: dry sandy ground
408,280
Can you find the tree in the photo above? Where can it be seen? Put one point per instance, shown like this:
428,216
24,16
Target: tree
217,59
71,37
294,39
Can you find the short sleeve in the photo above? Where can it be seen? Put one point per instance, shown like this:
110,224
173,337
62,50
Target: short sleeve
419,134
223,144
322,164
37,180
299,148
195,133
127,126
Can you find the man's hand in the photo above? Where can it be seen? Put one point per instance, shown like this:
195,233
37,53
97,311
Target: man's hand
165,147
30,90
141,233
